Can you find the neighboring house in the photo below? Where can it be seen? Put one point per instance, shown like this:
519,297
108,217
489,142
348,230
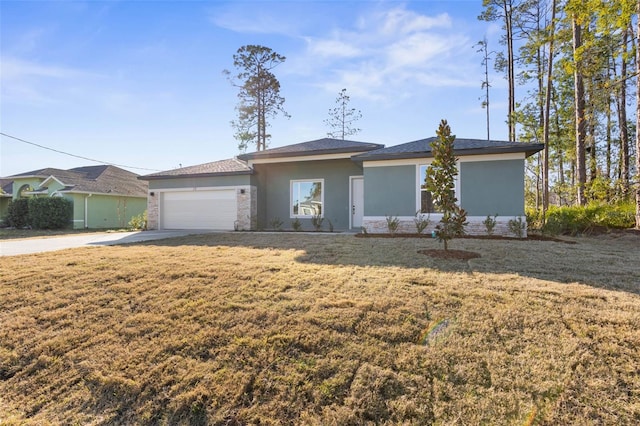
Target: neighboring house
6,188
351,185
103,196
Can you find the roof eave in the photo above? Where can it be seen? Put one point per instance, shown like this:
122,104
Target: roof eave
197,175
113,194
527,149
14,177
261,155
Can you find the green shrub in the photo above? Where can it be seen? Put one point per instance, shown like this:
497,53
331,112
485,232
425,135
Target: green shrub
316,221
139,222
421,222
534,218
517,227
584,219
50,212
276,224
490,224
392,223
296,225
18,213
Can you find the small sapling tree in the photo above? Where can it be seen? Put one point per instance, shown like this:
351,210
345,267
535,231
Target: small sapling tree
440,181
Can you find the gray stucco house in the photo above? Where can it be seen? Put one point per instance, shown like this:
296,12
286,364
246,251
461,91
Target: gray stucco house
352,185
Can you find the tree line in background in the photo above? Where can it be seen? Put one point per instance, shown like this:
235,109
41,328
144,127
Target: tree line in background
576,62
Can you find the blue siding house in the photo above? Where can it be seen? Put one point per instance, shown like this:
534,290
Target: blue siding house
349,185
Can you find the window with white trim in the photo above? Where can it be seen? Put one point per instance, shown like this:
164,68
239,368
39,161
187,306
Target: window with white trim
426,202
307,198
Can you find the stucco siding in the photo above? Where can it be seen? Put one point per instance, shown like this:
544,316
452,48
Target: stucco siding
77,221
492,187
390,191
19,183
53,186
274,191
105,212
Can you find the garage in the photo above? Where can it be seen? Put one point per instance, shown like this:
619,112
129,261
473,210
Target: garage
210,209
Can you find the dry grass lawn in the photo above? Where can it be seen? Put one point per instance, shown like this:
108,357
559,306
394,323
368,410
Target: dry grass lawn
245,328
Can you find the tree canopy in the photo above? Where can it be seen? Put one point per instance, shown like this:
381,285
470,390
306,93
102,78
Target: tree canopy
258,96
342,118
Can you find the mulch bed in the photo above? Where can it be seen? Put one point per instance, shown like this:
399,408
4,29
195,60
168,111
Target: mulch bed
530,237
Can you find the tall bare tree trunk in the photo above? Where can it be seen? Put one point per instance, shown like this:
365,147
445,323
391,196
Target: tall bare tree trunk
622,118
547,110
638,125
608,112
593,164
508,13
580,166
608,136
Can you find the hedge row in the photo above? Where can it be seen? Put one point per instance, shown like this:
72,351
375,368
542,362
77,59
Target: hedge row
572,220
40,213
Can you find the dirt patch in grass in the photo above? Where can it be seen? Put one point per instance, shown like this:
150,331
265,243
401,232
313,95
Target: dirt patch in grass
321,329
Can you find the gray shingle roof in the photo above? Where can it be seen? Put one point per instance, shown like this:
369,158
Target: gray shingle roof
422,148
316,147
231,166
7,186
96,179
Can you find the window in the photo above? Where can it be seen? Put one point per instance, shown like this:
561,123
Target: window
307,198
427,203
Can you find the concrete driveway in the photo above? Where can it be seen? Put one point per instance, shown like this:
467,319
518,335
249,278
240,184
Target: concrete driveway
40,245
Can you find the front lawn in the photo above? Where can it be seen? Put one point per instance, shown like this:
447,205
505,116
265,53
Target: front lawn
248,328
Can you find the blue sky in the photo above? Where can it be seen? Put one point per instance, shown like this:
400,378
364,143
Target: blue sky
140,83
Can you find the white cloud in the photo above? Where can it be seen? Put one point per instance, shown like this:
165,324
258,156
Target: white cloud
402,21
263,19
421,49
31,82
387,55
332,48
13,69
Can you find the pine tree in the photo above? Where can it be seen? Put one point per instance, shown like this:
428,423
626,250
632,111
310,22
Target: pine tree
259,95
440,181
341,118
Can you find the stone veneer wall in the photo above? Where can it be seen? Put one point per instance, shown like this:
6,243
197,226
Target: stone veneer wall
152,210
378,225
247,208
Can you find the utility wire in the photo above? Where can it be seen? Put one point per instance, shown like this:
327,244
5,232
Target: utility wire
76,156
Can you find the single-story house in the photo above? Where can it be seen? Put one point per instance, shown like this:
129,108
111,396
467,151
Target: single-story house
103,196
350,185
6,187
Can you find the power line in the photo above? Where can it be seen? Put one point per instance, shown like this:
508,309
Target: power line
76,156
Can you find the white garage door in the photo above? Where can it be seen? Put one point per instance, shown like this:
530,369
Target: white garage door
199,209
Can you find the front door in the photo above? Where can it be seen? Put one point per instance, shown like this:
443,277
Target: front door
357,201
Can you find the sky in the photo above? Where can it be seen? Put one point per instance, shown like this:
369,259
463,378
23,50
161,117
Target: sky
140,84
